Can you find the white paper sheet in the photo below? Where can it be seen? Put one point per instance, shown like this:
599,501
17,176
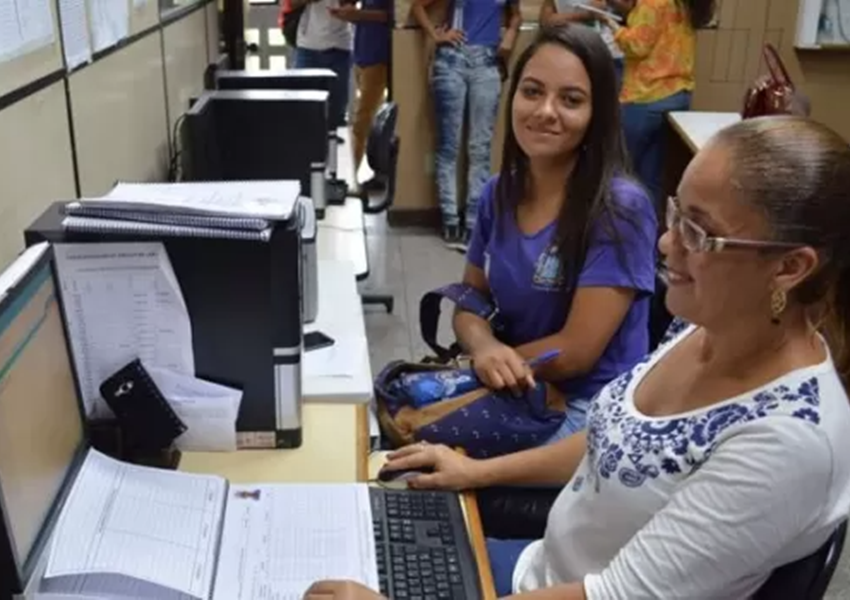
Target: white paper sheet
279,539
209,410
10,32
110,22
154,525
25,26
75,32
343,359
36,21
122,302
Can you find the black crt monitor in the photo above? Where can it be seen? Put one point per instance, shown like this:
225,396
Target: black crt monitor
42,435
240,135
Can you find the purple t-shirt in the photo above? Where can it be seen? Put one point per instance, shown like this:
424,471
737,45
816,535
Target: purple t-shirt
371,39
481,21
523,274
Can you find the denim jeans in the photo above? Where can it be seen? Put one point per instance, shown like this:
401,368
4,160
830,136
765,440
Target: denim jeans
644,127
338,61
504,555
461,77
575,421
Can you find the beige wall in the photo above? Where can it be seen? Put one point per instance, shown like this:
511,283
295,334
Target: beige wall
35,163
729,58
119,117
119,111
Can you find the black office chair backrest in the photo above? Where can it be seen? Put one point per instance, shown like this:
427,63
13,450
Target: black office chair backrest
807,578
659,317
382,153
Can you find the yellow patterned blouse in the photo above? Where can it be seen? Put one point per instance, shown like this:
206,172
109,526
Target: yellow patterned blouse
659,45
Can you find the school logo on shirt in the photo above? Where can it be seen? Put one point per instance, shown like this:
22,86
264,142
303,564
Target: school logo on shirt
547,270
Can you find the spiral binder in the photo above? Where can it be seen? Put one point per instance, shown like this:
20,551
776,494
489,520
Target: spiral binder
79,209
93,225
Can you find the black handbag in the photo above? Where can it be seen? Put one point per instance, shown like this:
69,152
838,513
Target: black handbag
290,26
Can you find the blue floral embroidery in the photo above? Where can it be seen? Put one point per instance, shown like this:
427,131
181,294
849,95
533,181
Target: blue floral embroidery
635,449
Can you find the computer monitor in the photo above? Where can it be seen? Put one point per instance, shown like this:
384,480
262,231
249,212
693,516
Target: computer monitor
231,135
287,79
41,427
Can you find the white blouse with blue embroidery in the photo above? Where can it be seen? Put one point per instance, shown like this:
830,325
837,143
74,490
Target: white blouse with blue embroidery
700,505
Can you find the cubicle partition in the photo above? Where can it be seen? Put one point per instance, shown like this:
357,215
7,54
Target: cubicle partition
92,97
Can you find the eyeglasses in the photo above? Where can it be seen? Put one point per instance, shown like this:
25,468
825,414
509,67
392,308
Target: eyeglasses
695,239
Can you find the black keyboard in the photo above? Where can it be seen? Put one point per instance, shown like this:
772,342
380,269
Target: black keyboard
423,548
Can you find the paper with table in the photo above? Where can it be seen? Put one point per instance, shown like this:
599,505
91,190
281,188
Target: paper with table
277,540
122,301
140,532
76,40
208,409
25,26
134,531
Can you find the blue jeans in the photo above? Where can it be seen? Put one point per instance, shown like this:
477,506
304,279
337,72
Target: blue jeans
644,127
575,421
619,67
338,61
461,77
504,555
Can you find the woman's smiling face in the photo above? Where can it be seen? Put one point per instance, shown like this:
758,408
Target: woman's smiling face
552,107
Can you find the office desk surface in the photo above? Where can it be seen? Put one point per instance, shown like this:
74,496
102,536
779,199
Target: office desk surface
696,128
342,236
473,525
341,317
335,450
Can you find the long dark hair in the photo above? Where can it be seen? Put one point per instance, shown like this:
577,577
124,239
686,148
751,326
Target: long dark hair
588,199
795,171
700,12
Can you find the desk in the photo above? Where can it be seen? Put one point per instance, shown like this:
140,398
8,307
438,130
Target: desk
335,449
342,236
473,525
689,131
696,128
340,316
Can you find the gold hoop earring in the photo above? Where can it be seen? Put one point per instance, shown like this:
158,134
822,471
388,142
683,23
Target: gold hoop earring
778,302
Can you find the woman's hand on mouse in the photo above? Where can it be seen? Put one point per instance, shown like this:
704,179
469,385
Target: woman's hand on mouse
451,470
340,590
499,366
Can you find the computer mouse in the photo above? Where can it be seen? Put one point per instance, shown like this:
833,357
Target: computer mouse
390,475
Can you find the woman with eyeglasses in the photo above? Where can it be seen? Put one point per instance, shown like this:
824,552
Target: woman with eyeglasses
726,453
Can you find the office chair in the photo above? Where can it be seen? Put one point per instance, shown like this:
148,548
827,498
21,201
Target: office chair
382,154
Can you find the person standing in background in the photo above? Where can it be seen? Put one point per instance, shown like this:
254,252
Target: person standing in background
324,42
372,43
465,72
659,42
554,14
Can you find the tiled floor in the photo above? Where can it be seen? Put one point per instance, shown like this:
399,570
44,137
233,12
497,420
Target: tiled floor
409,262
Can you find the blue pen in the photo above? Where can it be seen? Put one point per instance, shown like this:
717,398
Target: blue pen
542,359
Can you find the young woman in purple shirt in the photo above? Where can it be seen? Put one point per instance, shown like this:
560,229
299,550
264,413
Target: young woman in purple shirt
565,240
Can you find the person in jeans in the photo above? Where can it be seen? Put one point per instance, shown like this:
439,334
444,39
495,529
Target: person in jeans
371,63
659,42
574,13
465,72
324,42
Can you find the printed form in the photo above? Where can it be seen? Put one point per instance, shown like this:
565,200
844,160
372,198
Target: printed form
280,539
75,32
122,302
149,524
